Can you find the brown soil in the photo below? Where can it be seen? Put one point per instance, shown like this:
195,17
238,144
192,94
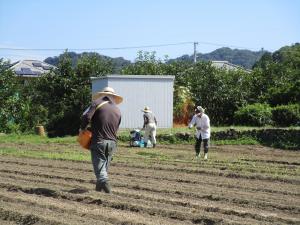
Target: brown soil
237,185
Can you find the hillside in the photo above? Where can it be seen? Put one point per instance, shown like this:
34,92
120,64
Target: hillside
244,58
118,63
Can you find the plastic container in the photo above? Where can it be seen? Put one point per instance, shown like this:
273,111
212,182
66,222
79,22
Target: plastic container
142,144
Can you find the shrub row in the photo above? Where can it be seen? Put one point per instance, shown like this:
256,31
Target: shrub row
262,114
278,138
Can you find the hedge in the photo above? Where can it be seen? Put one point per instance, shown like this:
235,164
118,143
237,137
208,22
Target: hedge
286,115
254,115
277,138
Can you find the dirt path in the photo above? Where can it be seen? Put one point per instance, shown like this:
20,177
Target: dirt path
238,185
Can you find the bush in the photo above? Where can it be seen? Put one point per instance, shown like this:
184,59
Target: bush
280,138
286,115
254,115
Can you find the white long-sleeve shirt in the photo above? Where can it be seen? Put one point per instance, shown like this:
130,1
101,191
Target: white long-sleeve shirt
202,125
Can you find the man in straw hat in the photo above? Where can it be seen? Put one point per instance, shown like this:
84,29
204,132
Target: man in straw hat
149,126
202,123
104,117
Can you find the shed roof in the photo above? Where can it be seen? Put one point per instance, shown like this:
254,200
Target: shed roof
120,76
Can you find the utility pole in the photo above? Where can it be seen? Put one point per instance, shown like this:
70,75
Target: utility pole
195,52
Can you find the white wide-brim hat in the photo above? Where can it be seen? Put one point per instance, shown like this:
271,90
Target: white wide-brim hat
108,91
146,109
200,109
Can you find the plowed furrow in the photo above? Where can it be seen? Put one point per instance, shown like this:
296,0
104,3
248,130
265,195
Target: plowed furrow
216,173
196,168
258,186
187,216
133,180
236,196
81,212
223,208
202,204
237,185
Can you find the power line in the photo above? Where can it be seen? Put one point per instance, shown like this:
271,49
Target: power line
94,49
126,47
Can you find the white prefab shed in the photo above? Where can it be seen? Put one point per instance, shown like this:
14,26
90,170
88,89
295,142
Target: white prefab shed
139,91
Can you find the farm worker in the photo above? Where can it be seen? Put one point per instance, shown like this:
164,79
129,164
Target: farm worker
202,123
149,126
105,123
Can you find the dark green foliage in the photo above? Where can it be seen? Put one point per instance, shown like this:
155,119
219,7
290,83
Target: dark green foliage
276,77
286,115
89,65
278,138
9,99
254,115
145,64
117,63
67,92
17,113
244,58
221,92
56,100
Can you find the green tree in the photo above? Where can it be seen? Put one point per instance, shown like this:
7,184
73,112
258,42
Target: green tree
222,92
276,77
66,92
93,65
9,99
17,113
145,64
57,91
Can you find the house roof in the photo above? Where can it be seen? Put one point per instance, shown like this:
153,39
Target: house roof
31,68
227,65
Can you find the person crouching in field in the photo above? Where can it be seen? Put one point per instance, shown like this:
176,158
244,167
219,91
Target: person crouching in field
149,126
105,118
202,123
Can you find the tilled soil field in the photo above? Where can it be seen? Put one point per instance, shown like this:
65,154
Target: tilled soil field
237,185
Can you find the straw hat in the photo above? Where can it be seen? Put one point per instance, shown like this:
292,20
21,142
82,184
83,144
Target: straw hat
146,109
108,91
199,109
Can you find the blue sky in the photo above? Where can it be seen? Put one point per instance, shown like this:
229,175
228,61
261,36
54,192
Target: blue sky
92,24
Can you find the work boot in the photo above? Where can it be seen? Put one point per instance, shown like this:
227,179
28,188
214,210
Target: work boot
197,157
103,186
98,186
205,156
106,187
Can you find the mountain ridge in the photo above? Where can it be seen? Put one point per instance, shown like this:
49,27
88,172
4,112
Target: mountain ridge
242,57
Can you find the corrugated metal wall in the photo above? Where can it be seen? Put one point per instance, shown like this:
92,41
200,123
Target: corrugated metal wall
139,91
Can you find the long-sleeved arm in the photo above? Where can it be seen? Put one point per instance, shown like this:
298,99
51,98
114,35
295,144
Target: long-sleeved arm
193,122
87,116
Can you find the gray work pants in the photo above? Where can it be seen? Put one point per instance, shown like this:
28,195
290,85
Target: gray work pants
102,153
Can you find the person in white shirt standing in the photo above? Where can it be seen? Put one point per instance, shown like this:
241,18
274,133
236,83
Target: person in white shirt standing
149,126
202,123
